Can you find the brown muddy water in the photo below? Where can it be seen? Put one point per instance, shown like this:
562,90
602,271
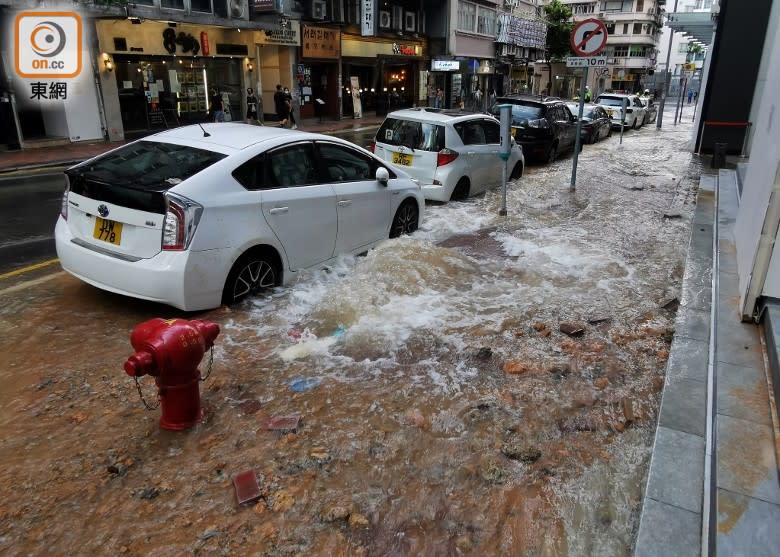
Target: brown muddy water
443,410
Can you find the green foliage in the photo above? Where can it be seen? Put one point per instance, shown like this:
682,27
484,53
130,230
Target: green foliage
559,25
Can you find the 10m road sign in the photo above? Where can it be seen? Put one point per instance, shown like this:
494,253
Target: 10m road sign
586,61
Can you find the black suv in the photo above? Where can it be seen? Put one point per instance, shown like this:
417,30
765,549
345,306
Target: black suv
544,126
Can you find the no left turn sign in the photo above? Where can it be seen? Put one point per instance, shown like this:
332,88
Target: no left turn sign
589,37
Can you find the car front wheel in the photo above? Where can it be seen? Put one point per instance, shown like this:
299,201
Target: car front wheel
253,273
405,220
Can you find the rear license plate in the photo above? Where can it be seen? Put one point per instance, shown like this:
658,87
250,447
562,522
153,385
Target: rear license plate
108,231
400,158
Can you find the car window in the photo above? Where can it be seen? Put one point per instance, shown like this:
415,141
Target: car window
565,112
637,102
251,173
409,133
610,101
342,164
149,165
522,112
492,132
471,133
291,166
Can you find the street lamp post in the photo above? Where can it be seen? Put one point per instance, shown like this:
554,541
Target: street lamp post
668,80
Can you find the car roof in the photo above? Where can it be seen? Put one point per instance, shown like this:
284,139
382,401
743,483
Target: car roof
529,98
437,115
233,136
617,95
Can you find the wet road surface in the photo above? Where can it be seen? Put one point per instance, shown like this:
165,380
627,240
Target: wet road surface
444,412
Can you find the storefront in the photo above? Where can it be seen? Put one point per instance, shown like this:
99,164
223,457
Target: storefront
317,74
159,75
382,74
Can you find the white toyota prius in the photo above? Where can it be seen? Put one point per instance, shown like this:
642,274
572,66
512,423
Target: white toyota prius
202,215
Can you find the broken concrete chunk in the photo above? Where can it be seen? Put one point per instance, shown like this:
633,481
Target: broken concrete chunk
572,329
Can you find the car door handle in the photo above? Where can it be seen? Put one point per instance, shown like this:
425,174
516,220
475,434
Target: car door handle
471,153
345,203
279,210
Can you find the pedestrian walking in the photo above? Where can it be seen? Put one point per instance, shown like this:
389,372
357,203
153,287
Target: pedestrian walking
588,94
280,105
217,108
477,98
690,96
290,112
251,106
439,103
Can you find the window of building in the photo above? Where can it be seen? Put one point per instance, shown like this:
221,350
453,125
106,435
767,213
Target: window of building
610,27
637,28
636,50
174,4
467,16
486,21
144,2
621,50
625,28
640,5
201,5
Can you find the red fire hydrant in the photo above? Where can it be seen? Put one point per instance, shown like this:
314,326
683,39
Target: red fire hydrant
170,351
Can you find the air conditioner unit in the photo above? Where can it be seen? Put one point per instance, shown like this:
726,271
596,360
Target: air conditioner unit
385,21
319,9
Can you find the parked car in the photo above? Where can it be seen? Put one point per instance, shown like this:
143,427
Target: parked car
545,127
651,111
452,154
613,104
596,124
202,215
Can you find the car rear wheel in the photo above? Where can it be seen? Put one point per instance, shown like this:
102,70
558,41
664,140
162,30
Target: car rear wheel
517,171
405,220
461,191
253,273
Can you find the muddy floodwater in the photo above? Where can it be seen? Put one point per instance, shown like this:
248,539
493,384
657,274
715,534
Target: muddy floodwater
443,409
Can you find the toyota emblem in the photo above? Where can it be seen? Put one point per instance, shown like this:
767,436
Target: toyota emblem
103,210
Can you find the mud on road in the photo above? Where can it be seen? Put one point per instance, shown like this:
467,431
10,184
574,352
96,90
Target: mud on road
445,410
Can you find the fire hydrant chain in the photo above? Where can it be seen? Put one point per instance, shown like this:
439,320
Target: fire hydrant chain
211,361
148,406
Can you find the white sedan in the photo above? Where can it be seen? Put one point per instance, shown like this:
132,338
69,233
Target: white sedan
202,215
613,104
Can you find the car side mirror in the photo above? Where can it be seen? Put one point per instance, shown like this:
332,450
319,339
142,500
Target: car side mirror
382,175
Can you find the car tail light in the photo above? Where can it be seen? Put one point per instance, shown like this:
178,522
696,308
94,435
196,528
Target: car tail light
372,146
445,156
64,203
182,216
540,123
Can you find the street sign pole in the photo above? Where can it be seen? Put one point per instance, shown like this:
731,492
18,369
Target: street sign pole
578,140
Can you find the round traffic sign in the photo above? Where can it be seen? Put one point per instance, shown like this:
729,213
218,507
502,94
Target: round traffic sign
589,37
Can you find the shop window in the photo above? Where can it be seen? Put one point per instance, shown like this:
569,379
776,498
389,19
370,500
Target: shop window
201,5
173,4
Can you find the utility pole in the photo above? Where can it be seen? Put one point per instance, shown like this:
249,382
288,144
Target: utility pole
667,79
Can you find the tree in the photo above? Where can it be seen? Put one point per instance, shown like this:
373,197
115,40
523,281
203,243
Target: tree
559,25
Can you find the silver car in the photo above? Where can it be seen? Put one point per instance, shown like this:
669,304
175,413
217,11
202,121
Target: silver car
451,154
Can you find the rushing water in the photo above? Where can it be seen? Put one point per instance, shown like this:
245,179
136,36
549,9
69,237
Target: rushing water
443,411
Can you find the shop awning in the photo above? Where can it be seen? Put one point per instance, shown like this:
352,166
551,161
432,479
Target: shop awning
697,25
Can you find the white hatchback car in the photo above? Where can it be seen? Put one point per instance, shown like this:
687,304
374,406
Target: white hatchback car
613,104
453,155
198,216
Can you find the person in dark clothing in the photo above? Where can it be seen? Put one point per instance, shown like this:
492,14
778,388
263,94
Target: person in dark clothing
280,104
251,106
217,109
288,99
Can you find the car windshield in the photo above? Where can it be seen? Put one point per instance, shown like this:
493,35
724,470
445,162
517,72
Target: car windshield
148,165
410,133
610,101
519,111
